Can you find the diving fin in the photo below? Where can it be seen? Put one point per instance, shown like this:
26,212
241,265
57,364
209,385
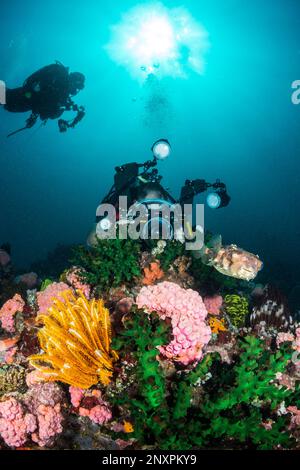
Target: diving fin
30,122
16,132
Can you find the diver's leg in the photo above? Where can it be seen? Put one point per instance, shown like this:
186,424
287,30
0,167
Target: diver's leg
17,100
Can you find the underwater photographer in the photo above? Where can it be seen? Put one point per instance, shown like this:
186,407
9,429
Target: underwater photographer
47,93
138,206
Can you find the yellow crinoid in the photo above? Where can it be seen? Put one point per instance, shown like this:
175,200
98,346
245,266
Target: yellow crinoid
76,339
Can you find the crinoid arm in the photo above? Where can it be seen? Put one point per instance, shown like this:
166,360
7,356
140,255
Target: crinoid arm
76,339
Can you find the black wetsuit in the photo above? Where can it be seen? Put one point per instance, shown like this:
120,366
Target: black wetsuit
45,93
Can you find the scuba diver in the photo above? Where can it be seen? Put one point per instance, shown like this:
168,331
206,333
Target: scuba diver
141,184
47,94
152,212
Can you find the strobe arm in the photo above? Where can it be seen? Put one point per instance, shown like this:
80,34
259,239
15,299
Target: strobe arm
192,188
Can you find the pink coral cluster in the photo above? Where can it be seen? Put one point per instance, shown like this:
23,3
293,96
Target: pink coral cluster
49,424
295,419
213,304
289,337
8,312
283,338
89,403
187,312
74,278
37,416
296,343
44,400
45,298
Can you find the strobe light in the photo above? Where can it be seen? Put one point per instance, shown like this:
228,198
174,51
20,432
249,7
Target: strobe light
161,149
218,199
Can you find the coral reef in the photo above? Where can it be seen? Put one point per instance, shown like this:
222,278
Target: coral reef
76,339
109,263
143,347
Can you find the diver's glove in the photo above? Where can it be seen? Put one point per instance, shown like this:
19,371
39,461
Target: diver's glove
65,125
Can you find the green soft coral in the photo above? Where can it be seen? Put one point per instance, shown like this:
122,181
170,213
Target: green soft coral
149,410
237,413
233,400
109,263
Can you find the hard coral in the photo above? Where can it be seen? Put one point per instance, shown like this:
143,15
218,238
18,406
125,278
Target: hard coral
187,312
76,340
8,312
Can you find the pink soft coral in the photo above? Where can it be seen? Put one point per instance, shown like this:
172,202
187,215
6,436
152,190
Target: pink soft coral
49,424
284,337
8,312
89,403
77,395
73,277
36,416
187,312
213,304
45,298
15,423
99,414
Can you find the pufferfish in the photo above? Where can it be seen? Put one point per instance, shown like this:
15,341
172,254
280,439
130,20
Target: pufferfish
230,260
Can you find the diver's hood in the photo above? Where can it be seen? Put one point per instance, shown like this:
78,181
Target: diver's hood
76,82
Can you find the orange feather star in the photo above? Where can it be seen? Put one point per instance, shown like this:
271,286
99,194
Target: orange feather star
76,339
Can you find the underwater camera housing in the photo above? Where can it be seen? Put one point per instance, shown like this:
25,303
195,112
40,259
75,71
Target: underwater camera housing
141,185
